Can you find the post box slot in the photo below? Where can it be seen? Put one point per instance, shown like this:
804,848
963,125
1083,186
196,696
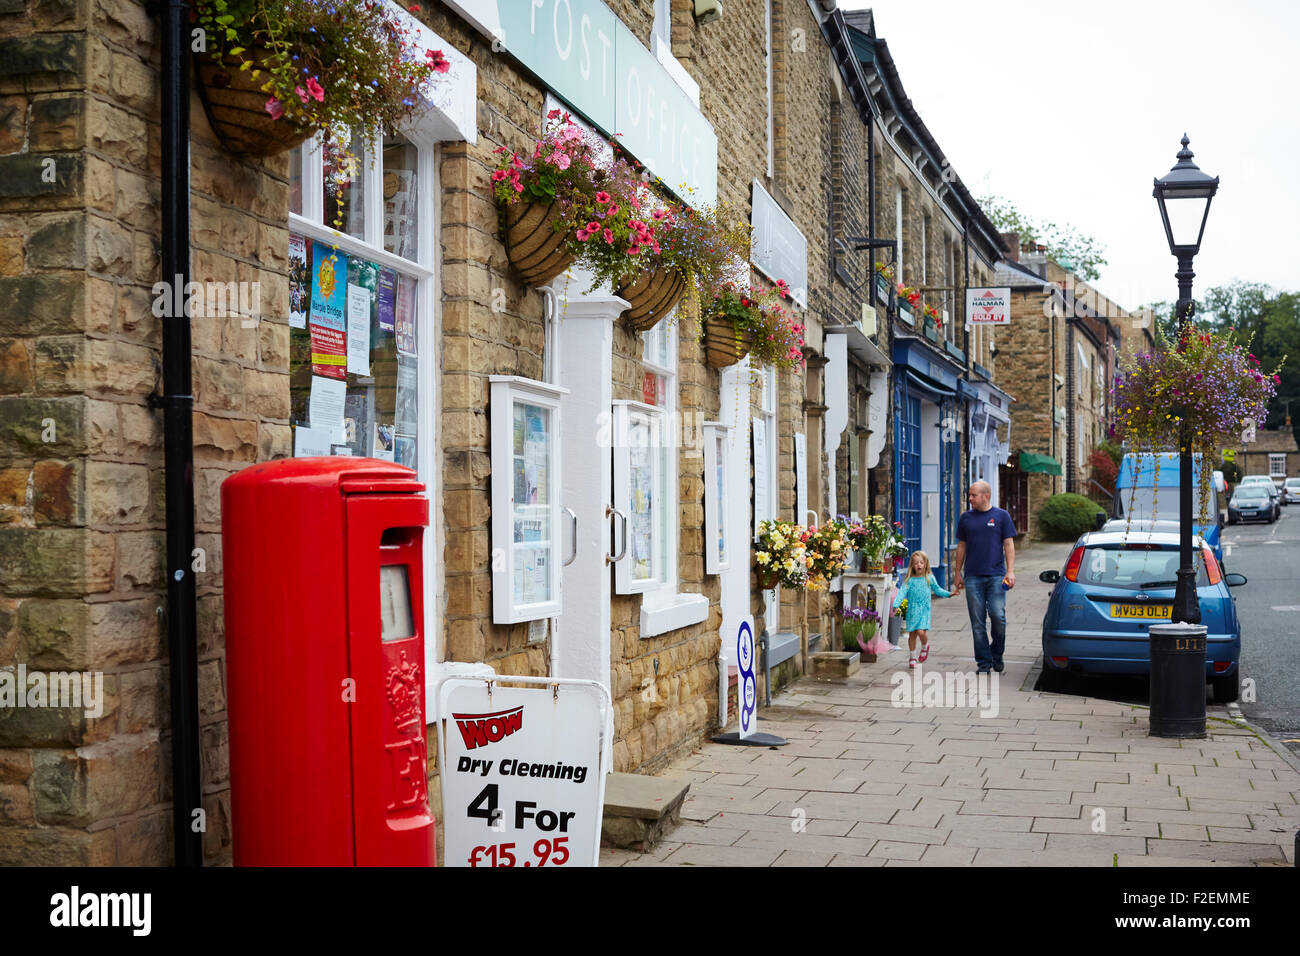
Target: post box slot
398,537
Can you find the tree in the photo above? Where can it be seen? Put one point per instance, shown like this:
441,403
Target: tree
1071,249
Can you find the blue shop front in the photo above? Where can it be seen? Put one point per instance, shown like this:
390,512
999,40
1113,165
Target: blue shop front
928,424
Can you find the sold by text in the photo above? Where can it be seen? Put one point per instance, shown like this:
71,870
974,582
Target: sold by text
1203,923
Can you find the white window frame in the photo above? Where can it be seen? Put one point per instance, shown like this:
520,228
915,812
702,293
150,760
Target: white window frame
1277,465
898,233
771,83
507,391
765,422
425,270
716,496
626,414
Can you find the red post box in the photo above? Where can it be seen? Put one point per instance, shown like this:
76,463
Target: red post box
323,569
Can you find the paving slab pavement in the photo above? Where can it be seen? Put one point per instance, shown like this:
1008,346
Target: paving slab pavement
1025,778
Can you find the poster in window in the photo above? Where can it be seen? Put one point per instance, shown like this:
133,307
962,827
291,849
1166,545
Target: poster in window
406,408
720,484
641,516
382,447
405,450
327,312
405,315
299,281
386,292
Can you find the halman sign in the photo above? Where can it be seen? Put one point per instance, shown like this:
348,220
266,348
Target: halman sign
988,306
583,52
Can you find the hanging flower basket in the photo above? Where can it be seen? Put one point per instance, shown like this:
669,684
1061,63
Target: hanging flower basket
536,250
235,105
651,296
767,578
724,343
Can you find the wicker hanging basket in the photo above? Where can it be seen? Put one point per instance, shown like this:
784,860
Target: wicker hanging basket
534,247
651,296
235,106
724,344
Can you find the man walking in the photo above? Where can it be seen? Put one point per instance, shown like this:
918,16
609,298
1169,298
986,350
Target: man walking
986,551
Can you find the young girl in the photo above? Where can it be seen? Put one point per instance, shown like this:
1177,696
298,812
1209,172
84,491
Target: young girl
916,589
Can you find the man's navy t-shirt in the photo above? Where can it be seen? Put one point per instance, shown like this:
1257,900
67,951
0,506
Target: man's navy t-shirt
984,532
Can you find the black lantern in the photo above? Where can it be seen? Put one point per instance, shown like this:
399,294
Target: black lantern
1184,196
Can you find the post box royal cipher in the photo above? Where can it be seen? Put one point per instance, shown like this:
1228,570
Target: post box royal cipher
323,571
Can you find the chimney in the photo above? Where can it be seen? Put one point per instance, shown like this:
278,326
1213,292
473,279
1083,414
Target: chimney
1012,241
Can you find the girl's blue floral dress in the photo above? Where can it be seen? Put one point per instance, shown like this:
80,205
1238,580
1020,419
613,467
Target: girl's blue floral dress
917,591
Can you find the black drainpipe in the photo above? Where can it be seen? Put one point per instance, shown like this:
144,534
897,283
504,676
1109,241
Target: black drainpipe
178,405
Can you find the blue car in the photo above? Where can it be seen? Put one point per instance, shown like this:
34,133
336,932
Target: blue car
1114,586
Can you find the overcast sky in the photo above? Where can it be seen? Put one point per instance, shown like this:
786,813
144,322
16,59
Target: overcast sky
1070,111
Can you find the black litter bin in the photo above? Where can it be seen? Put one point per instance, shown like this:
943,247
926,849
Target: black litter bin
1177,680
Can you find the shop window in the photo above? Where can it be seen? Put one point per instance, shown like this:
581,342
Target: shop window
361,316
645,469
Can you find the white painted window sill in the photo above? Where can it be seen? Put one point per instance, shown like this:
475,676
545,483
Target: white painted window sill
672,66
671,611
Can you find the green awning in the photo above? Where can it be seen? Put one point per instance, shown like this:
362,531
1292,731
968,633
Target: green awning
1044,463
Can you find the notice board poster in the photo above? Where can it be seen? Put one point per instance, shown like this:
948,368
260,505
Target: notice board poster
523,771
327,318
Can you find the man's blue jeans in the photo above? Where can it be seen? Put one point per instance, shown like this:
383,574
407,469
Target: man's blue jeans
985,597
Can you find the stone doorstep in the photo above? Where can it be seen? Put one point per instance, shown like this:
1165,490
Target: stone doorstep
640,810
834,664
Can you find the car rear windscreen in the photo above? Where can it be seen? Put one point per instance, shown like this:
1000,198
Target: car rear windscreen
1135,568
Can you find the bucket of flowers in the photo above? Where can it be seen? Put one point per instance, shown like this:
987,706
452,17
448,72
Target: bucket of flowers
858,626
909,299
1197,397
779,555
271,74
825,550
884,280
932,319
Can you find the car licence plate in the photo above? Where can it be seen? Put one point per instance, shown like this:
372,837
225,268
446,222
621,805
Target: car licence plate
1141,610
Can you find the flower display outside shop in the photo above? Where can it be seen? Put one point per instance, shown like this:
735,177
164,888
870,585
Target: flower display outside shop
779,553
859,626
775,332
826,549
335,67
704,247
1197,397
910,294
874,537
603,211
901,609
886,272
933,314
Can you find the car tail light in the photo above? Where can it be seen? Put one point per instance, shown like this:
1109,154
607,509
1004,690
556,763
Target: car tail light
1060,661
1221,666
1072,566
1212,567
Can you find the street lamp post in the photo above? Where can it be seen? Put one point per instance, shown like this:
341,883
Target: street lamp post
1184,196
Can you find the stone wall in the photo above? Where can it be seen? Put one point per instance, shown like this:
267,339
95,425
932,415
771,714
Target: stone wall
81,512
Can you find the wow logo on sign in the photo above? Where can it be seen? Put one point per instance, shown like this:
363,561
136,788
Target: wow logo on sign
478,730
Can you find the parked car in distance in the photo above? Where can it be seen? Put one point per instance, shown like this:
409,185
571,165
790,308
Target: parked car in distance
1290,490
1251,503
1113,587
1265,482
